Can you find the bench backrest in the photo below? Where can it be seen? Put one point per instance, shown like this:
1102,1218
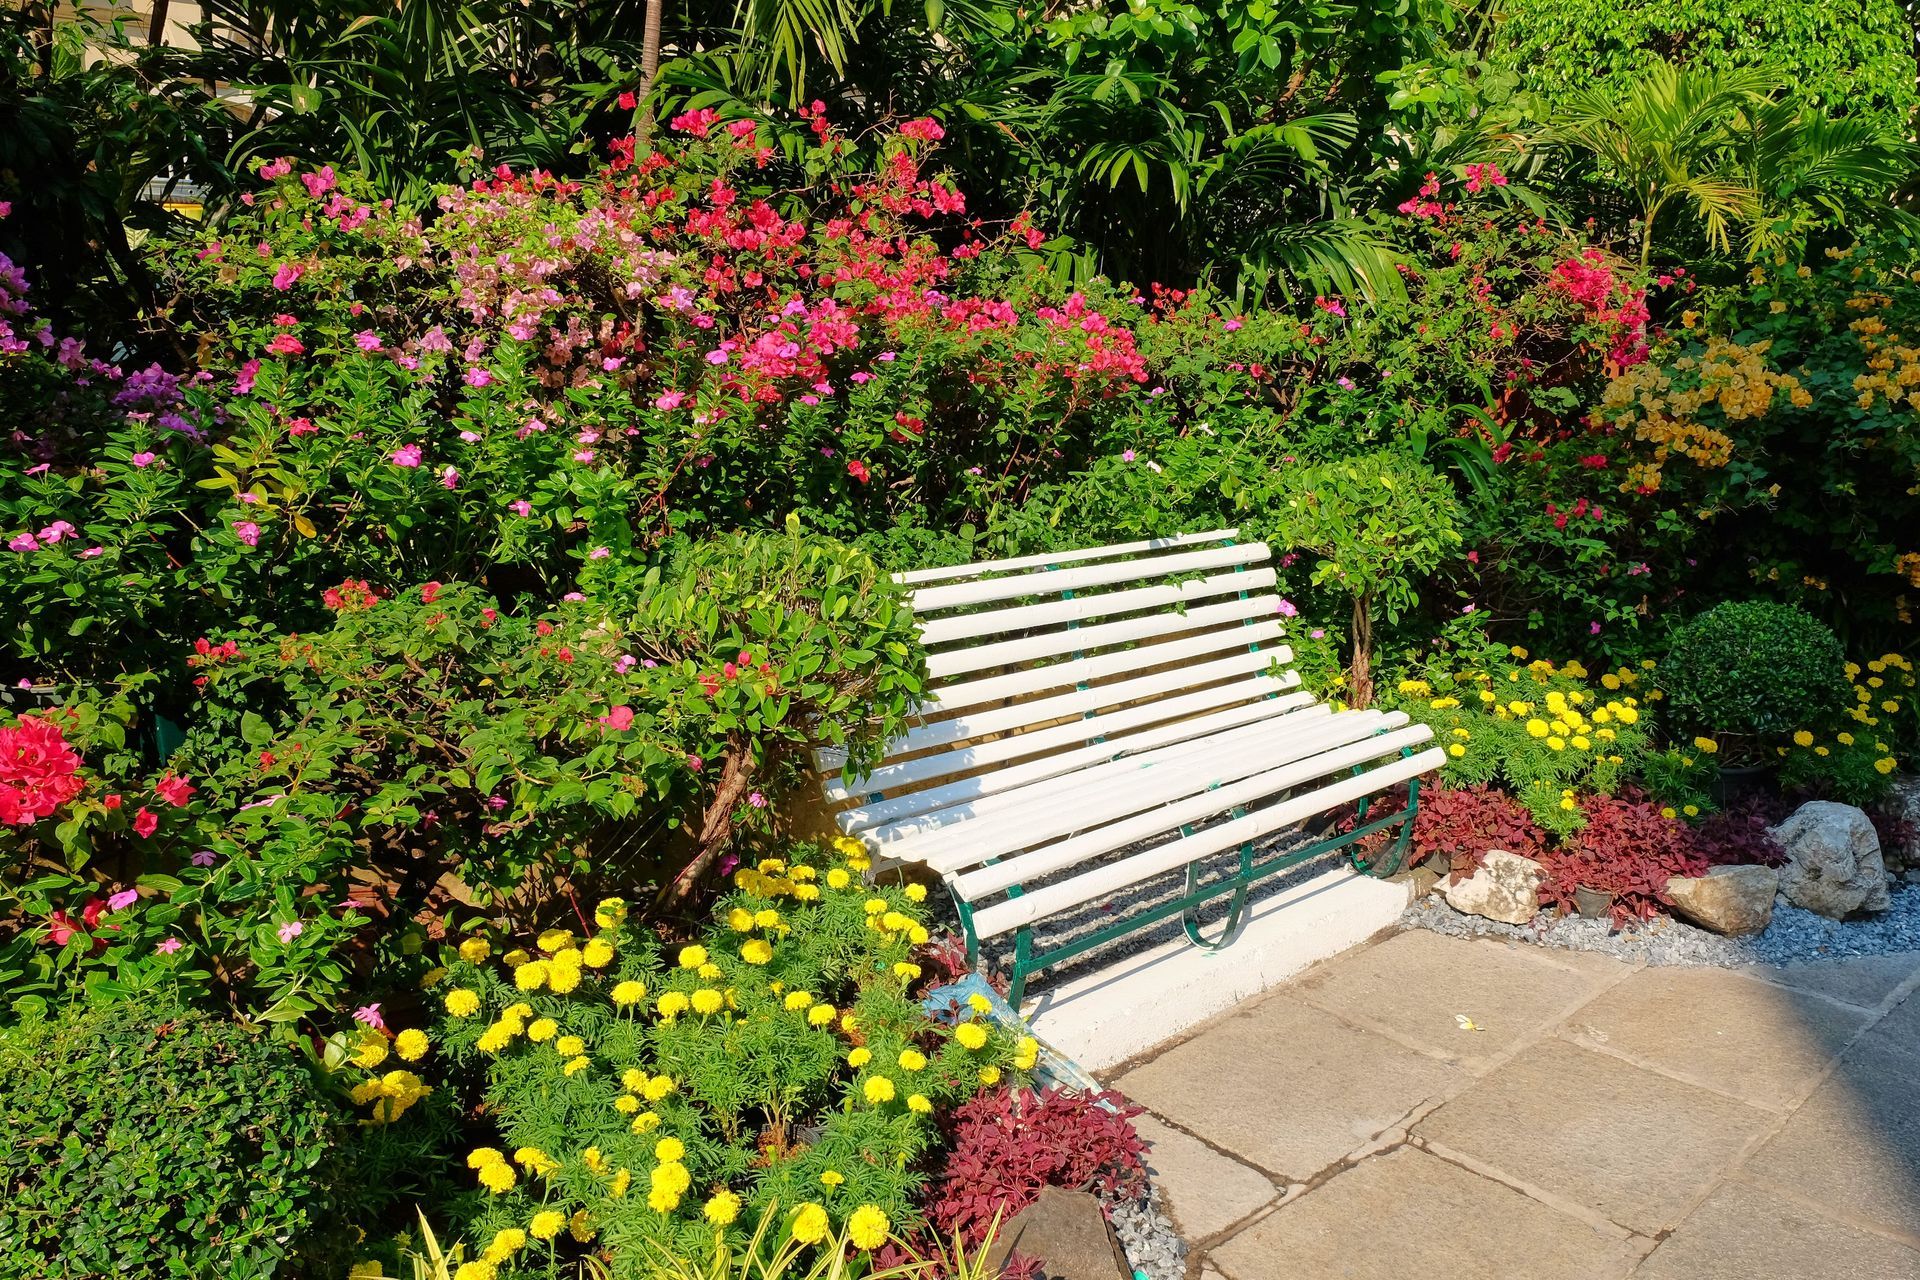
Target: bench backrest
1045,664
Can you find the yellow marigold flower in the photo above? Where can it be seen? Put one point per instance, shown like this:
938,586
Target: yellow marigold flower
979,1003
371,1051
722,1208
1456,750
621,1181
478,1269
1557,743
1691,810
411,1044
543,1029
1027,1053
810,1224
838,879
878,1089
918,935
494,1039
432,977
1627,715
671,1177
832,1178
669,1149
707,1000
1580,742
916,893
546,1224
757,951
597,954
554,940
1706,746
1884,764
1802,738
629,992
563,978
530,976
876,905
740,920
820,1015
474,950
867,1228
1668,811
1518,652
906,971
580,1226
693,957
971,1035
534,1160
1844,739
671,1005
626,1104
1889,706
481,1157
1538,728
709,971
989,1076
645,1122
575,1066
859,1057
611,913
918,1102
498,1177
505,1244
912,1060
662,1201
798,1000
659,1087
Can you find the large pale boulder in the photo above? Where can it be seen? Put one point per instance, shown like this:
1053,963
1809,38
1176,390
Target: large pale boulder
1727,899
1833,860
1505,887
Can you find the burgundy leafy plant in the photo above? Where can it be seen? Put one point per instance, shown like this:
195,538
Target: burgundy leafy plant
1007,1145
1627,850
1741,833
1461,824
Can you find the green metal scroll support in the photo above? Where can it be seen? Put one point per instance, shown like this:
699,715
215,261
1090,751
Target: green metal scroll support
1236,907
1022,966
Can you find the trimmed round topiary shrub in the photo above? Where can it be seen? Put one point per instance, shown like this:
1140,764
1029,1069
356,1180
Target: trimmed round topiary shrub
174,1144
1754,668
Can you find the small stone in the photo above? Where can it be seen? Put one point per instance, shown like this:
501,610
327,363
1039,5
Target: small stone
1727,899
1506,887
1424,879
1068,1233
1834,865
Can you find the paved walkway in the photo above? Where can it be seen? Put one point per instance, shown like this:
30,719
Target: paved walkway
1441,1109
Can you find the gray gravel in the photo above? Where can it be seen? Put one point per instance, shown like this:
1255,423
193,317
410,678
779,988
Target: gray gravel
1793,935
1148,1237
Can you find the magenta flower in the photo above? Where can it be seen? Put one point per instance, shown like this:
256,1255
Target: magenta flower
623,664
369,1015
1287,609
478,377
669,400
142,459
204,858
367,340
91,552
290,930
247,531
757,800
1593,628
56,531
168,946
521,507
123,899
450,479
24,542
407,455
599,553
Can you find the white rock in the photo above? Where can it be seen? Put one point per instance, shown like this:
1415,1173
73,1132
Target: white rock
1506,887
1834,865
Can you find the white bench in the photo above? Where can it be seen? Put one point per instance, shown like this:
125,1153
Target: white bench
1085,704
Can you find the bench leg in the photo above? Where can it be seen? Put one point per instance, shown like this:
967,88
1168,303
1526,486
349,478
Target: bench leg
1236,909
1022,965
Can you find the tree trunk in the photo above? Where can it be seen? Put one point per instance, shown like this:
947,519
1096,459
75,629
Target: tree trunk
649,65
716,827
1362,677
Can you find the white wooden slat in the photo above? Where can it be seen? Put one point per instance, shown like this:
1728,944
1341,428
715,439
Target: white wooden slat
892,777
1246,739
1051,558
1106,604
1049,582
1051,644
1077,702
855,821
1035,679
997,878
1109,804
1101,881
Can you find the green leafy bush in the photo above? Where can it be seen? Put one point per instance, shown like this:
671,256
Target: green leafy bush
161,1144
647,1093
1754,668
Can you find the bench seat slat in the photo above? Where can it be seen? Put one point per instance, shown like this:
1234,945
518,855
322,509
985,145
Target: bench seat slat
1049,559
1099,882
874,813
1100,666
891,777
1050,582
1106,604
1051,644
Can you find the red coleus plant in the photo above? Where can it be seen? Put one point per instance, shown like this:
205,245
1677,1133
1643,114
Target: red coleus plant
1627,850
1009,1144
1462,824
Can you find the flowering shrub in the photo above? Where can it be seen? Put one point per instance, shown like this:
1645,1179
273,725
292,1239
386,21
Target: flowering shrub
648,1094
157,1142
1008,1144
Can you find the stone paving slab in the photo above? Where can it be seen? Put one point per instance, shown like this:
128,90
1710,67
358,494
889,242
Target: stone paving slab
1866,981
1416,985
1204,1192
1408,1214
1634,1146
1286,1087
1743,1233
1760,1043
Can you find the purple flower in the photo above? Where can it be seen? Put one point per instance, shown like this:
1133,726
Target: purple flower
757,800
204,858
369,1015
1287,609
1233,324
168,946
24,542
123,899
290,930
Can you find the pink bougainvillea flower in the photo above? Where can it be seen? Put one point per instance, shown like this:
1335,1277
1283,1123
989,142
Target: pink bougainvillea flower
407,455
290,930
288,275
521,507
368,1015
367,340
271,169
176,791
123,899
247,531
167,946
318,184
1287,609
142,459
145,822
39,771
1234,323
449,478
619,719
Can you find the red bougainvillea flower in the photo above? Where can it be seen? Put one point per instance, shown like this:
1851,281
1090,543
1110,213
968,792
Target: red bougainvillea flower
429,592
39,771
145,822
352,596
858,470
619,719
175,791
